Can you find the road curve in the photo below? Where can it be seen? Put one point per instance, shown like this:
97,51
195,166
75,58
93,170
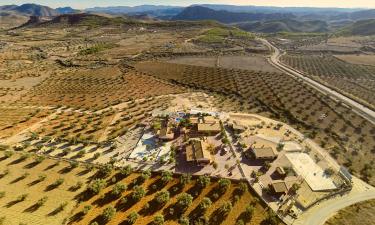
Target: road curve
360,109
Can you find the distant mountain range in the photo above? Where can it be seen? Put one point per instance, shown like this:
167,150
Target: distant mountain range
203,13
250,18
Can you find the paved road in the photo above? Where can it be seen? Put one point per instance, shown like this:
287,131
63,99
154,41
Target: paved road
360,109
319,214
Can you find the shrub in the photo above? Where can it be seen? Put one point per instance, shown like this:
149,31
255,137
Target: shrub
203,181
42,177
225,208
97,185
166,176
58,182
240,222
106,170
242,187
86,209
22,197
118,189
42,201
133,216
158,220
126,171
108,213
138,193
97,155
183,220
224,184
185,179
249,211
184,200
162,197
145,175
205,203
8,154
2,194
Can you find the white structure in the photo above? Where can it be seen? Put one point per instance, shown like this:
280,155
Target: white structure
314,175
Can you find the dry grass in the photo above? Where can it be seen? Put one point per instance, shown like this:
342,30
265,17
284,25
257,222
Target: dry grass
14,185
361,213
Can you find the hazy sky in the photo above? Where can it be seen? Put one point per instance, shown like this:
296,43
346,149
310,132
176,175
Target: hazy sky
91,3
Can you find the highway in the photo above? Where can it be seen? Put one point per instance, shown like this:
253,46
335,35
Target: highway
360,109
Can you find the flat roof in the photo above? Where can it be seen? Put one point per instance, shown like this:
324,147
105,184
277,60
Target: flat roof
209,127
314,175
266,152
197,150
279,186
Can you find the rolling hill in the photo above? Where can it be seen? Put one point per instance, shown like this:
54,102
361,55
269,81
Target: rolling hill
362,27
203,13
285,25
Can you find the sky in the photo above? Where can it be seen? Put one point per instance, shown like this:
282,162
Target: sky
81,4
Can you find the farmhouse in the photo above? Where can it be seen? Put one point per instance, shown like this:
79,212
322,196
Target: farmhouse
197,151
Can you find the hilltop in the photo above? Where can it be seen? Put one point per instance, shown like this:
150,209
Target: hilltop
362,27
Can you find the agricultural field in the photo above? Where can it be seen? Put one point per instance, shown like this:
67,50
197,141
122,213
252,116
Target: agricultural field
142,201
97,88
246,62
358,59
37,190
356,81
360,213
347,136
16,118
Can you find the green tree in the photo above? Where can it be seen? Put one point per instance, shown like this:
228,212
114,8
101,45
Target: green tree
205,204
242,187
166,176
185,179
138,193
203,181
97,185
86,209
108,213
224,184
158,220
126,171
183,220
106,170
249,211
118,189
162,197
42,201
184,200
225,208
133,216
145,175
